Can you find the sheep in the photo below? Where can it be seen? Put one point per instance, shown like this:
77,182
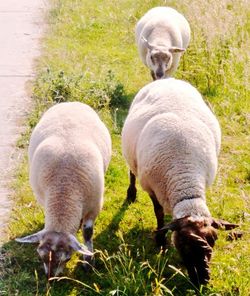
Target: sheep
171,142
69,152
162,35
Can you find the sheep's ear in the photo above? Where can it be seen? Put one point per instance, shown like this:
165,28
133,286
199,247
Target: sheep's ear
147,44
218,223
33,238
175,49
173,226
76,246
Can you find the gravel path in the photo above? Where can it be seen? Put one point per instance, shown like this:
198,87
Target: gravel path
21,26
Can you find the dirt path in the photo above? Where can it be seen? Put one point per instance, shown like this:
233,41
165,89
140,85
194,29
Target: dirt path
20,28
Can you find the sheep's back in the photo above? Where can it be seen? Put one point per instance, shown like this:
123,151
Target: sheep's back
175,155
69,148
164,96
72,122
66,169
161,17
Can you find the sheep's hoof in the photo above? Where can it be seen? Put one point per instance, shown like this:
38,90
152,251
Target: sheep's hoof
131,194
161,241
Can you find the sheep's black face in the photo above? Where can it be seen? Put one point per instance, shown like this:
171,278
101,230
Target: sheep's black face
55,250
194,240
159,62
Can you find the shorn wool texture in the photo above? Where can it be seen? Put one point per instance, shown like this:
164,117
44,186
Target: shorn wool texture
162,35
69,152
171,141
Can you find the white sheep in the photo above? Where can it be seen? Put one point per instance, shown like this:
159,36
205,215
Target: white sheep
162,35
171,141
69,152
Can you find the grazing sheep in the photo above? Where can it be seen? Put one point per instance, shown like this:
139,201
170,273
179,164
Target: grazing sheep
171,141
162,35
69,152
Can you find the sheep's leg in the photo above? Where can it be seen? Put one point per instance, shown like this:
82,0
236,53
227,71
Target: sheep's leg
153,75
87,234
159,213
131,192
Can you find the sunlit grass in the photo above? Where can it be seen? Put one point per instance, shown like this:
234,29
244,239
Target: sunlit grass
90,55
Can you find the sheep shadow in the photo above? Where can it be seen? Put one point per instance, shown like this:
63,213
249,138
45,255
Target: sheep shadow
144,249
22,272
140,241
109,233
23,263
20,266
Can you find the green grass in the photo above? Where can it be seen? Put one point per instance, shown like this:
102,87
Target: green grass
89,55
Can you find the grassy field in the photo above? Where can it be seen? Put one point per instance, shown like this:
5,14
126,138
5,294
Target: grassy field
89,55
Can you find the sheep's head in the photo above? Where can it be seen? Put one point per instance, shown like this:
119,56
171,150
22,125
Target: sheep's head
194,238
55,249
160,59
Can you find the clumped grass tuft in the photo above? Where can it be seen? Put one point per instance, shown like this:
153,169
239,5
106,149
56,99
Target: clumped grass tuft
107,96
57,87
127,274
90,56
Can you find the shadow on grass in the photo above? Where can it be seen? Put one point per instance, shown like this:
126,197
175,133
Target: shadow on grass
142,246
21,267
24,274
107,239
